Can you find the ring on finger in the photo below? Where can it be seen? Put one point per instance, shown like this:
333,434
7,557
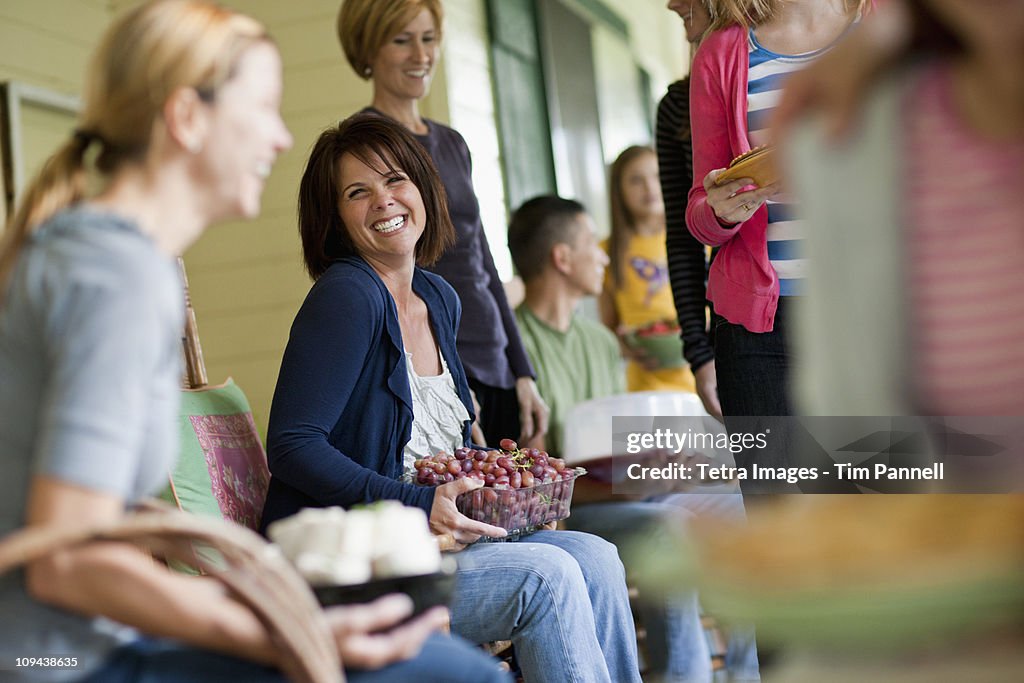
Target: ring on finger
746,206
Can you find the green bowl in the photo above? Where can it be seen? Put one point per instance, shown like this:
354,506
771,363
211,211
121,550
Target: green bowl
667,349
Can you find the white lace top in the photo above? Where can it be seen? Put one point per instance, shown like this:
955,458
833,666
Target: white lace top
438,414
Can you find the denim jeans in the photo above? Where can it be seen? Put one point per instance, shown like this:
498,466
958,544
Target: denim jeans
442,660
724,502
753,370
560,597
676,646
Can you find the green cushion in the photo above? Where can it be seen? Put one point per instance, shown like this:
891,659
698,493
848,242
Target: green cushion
222,467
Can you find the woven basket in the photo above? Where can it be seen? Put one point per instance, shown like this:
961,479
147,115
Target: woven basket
252,570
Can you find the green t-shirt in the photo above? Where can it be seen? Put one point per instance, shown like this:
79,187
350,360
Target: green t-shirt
573,366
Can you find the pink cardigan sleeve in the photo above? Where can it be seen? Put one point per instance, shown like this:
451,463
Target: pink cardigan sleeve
712,118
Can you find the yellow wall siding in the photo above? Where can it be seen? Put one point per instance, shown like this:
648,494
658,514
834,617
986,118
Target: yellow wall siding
41,45
246,277
48,43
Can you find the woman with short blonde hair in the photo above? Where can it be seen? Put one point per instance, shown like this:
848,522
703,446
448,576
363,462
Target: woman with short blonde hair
364,27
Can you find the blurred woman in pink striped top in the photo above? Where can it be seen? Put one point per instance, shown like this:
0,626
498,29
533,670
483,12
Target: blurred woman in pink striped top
918,221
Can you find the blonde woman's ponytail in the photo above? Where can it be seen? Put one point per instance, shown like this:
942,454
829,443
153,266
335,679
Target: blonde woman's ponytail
60,183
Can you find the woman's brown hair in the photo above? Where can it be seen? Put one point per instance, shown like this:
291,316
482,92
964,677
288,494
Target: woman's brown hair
623,222
365,135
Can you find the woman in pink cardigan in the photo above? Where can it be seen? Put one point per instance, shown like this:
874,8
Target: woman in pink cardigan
736,80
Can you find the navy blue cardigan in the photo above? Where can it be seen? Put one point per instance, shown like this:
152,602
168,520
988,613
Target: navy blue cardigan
342,409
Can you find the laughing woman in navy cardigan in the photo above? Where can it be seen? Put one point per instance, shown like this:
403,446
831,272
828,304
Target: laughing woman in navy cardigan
371,380
394,44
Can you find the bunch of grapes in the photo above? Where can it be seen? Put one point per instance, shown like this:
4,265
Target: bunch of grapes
522,487
508,468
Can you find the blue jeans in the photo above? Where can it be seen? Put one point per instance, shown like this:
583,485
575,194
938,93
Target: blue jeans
442,660
560,597
676,646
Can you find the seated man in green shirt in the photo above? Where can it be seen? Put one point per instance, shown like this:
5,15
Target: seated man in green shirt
555,250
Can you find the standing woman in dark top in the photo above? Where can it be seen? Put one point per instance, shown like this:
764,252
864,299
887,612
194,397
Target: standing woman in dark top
393,43
687,258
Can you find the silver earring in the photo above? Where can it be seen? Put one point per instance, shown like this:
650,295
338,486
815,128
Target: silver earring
367,72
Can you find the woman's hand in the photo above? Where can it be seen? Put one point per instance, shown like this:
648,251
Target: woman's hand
707,388
445,517
363,642
476,432
533,411
730,203
634,353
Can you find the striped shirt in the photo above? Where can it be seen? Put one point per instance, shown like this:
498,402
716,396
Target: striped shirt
768,71
966,254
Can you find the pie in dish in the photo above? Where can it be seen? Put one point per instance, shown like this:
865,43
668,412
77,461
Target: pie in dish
758,164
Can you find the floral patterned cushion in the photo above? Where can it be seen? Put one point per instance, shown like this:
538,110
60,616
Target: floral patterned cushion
222,468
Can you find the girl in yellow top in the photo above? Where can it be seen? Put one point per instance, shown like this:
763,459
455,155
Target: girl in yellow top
636,289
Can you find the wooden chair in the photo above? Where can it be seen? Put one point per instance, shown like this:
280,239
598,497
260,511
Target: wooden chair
195,365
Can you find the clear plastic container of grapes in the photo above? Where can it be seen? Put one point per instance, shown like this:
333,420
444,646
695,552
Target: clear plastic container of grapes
519,511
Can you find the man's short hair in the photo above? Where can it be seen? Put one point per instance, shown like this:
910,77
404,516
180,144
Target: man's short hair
536,227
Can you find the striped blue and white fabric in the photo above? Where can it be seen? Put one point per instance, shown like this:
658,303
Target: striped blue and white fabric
768,71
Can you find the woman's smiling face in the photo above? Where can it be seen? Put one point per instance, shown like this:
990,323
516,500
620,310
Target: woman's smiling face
404,65
380,208
245,136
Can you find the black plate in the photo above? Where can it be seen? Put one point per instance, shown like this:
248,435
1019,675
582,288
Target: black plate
426,590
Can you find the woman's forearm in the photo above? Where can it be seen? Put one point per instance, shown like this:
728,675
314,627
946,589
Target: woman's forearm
118,581
606,306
